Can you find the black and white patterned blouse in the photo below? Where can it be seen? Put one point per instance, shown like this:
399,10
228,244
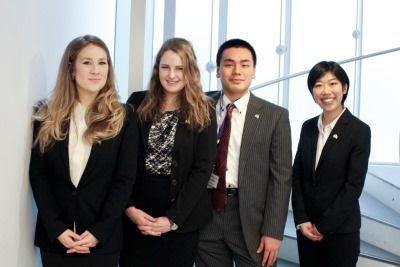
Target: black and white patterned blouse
161,141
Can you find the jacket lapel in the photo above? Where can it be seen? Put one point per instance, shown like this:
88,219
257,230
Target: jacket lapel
336,134
311,142
63,147
94,152
145,130
250,128
181,130
93,159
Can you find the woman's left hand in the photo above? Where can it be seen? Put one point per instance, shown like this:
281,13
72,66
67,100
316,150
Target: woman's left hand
161,225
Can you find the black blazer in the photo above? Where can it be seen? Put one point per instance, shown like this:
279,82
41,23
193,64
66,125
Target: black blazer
328,195
97,204
193,157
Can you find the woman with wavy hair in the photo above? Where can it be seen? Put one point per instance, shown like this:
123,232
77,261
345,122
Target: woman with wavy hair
83,161
177,129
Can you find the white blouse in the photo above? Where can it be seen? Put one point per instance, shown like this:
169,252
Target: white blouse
78,148
324,133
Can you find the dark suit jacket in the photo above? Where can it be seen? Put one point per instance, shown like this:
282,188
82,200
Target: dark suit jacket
265,168
328,196
97,204
193,157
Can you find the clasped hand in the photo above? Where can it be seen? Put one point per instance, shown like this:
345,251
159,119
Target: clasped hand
310,231
147,224
77,243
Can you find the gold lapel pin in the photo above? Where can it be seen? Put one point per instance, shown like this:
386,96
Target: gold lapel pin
335,136
257,116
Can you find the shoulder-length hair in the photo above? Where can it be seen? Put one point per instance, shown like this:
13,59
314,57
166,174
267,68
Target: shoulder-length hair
104,117
194,104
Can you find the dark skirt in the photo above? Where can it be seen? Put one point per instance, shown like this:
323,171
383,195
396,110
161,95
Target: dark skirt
153,197
171,249
51,259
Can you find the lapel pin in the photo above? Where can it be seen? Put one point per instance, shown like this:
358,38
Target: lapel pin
257,116
335,136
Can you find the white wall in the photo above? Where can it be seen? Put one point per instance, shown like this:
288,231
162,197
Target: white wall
33,36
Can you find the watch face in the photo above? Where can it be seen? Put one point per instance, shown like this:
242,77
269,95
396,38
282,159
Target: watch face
174,226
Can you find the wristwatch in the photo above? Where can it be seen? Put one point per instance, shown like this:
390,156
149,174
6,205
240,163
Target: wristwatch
174,226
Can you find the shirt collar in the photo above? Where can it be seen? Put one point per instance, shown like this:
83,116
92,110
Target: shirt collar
240,104
330,125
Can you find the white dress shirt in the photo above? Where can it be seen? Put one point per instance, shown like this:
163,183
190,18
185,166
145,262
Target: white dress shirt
324,132
235,140
78,148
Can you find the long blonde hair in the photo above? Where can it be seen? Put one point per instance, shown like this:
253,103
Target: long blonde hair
104,117
195,105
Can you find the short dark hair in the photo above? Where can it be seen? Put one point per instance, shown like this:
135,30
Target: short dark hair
235,43
323,67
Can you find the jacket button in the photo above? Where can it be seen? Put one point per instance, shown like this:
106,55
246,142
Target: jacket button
74,193
172,199
174,163
174,182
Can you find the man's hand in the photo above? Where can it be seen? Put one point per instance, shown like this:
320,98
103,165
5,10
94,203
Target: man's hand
271,247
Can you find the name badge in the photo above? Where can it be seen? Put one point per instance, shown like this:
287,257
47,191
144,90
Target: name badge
213,182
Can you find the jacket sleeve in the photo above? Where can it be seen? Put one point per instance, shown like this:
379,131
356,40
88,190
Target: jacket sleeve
46,202
123,180
196,184
299,211
280,183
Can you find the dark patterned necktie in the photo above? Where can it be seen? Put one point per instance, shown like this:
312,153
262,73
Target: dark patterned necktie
219,195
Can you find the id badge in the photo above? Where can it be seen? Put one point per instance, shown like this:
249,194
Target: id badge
213,182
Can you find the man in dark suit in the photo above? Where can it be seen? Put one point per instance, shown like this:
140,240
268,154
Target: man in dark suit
248,228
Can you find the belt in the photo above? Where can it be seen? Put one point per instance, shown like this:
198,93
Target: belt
232,191
229,191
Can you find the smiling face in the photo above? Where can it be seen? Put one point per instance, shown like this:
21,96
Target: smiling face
328,93
236,71
170,73
90,72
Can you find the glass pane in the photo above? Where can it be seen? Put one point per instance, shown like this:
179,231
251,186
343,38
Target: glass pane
318,34
380,107
158,33
193,22
322,30
381,22
258,22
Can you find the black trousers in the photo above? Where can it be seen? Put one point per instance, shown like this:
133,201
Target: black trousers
50,259
171,249
338,250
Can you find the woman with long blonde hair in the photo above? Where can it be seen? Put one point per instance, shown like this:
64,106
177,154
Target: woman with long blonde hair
83,161
177,129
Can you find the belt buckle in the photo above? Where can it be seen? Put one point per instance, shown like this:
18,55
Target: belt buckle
231,191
